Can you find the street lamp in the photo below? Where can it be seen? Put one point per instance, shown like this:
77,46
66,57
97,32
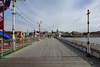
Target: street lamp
13,25
39,25
39,28
88,34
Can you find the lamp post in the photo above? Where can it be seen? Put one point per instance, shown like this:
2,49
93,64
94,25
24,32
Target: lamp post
39,27
88,35
13,25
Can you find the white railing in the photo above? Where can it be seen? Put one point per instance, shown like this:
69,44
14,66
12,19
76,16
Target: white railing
95,48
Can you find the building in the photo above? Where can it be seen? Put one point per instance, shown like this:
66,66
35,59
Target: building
96,34
75,33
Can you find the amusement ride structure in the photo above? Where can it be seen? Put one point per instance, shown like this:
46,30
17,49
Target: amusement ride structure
4,5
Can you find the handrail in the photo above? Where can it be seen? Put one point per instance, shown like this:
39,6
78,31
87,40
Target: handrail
83,45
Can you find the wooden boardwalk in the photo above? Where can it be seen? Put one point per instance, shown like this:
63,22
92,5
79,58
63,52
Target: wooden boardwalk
49,53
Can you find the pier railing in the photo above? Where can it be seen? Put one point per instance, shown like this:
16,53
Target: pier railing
19,42
94,48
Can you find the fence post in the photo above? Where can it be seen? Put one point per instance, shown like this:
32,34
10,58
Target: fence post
15,44
22,42
10,45
1,47
99,52
28,41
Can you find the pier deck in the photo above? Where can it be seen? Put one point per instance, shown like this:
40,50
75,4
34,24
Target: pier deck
49,53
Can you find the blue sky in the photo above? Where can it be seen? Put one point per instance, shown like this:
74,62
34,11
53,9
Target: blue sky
67,15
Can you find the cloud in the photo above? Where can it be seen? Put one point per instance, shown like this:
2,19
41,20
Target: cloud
67,15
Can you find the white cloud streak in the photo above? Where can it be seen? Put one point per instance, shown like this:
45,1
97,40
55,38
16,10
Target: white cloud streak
67,15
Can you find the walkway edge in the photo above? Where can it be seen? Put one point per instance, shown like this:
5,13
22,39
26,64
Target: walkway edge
93,53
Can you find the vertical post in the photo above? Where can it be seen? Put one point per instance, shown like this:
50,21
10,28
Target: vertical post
88,35
3,16
1,47
39,28
13,27
3,30
10,45
22,42
39,25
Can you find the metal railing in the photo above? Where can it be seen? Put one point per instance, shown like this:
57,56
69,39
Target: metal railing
20,43
94,48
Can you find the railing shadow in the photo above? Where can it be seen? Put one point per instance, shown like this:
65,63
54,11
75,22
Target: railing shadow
93,61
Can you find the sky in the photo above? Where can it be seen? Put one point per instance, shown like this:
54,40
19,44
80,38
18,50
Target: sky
66,15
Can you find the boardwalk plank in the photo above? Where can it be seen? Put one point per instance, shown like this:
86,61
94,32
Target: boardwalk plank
48,53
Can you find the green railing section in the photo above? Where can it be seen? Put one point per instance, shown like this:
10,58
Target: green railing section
20,43
12,51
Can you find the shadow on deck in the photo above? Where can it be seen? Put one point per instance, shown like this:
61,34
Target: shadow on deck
93,61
